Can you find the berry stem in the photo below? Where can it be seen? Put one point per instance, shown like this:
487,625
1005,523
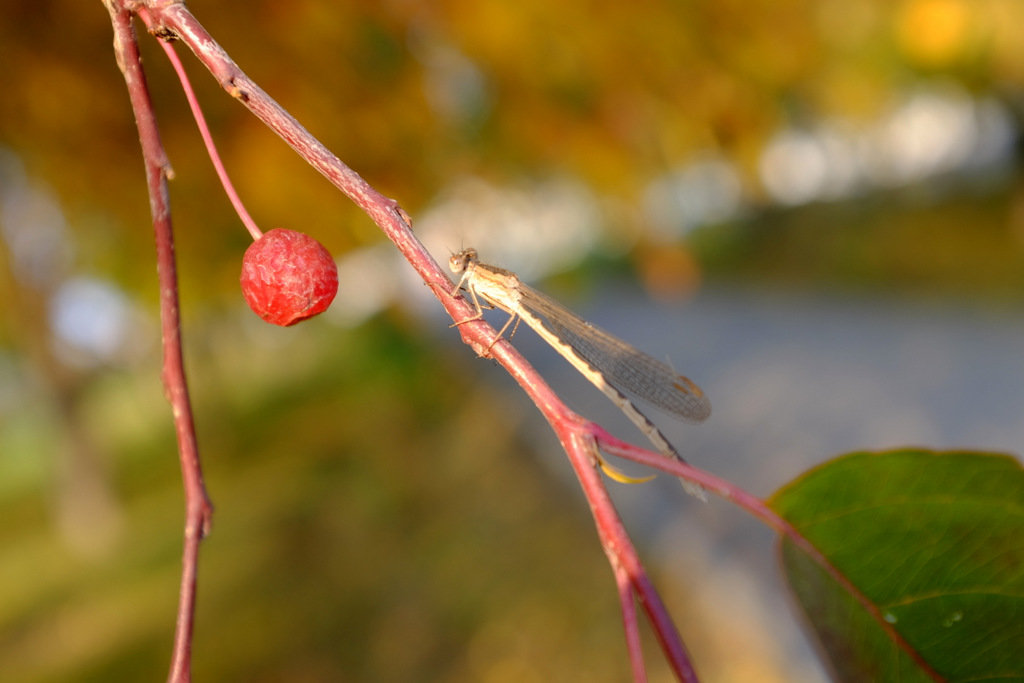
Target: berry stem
211,148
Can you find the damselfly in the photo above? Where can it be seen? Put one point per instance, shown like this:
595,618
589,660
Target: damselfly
613,366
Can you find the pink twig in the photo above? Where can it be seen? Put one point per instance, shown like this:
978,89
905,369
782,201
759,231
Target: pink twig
171,19
623,556
629,622
167,19
577,438
211,148
198,509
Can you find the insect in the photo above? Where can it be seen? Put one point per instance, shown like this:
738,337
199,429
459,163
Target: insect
613,366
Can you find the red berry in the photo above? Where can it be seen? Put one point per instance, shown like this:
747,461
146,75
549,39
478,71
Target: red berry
288,276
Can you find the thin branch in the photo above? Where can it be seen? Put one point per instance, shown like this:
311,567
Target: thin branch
629,623
198,509
211,147
619,548
170,19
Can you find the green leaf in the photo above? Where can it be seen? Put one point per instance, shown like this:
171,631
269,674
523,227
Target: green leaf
931,546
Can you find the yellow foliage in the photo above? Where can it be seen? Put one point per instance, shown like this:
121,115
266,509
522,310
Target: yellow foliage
936,32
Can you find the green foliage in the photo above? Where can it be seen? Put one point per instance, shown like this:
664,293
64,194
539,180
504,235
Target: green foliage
934,542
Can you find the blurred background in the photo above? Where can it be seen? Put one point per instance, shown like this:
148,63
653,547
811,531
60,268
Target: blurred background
814,209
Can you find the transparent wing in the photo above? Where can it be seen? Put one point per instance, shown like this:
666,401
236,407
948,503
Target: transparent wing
630,371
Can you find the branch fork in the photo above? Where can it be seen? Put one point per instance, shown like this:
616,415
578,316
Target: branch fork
170,20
